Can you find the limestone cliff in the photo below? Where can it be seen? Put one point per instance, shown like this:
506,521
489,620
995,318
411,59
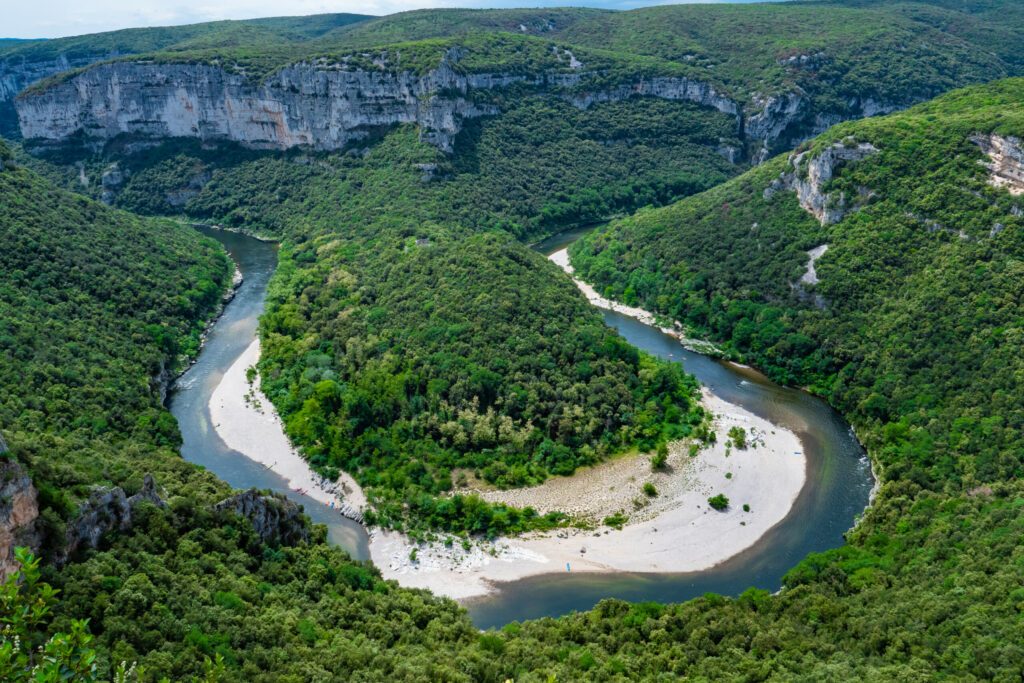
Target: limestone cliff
319,104
275,519
810,174
326,104
19,510
17,73
1005,161
784,121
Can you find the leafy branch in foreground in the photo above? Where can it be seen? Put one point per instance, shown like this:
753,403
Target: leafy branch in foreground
26,652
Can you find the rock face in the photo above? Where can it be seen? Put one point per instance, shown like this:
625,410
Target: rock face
19,510
666,88
327,104
16,74
810,175
321,105
1006,161
108,509
787,120
277,520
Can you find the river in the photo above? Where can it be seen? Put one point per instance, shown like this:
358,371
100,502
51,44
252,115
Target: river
838,485
190,399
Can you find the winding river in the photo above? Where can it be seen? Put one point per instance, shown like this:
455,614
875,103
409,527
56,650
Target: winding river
838,485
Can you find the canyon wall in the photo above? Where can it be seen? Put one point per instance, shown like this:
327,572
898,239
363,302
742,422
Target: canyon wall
319,105
809,176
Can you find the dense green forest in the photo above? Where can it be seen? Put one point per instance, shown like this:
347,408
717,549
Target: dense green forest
914,337
99,308
422,339
949,271
406,346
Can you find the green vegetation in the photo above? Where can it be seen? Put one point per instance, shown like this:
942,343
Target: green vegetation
738,437
616,521
250,32
404,344
660,458
27,651
399,350
913,339
935,409
98,310
718,502
94,303
409,333
650,490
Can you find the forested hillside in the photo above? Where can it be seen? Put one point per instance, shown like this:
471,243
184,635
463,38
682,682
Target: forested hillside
93,304
911,331
99,310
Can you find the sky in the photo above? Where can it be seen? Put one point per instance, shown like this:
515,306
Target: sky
56,18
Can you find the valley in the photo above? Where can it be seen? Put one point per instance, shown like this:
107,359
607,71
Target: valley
553,344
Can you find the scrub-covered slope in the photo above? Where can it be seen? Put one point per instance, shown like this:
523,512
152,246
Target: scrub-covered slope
912,325
98,308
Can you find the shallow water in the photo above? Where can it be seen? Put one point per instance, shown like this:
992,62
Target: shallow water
838,483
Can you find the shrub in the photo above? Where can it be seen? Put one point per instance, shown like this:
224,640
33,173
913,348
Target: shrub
660,458
738,435
616,521
719,502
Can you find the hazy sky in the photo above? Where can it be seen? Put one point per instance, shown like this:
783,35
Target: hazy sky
53,18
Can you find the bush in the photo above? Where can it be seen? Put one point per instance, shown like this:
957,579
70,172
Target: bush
616,521
719,502
660,458
738,435
649,490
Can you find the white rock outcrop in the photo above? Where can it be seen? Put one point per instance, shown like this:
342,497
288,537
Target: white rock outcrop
810,175
1006,161
18,73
